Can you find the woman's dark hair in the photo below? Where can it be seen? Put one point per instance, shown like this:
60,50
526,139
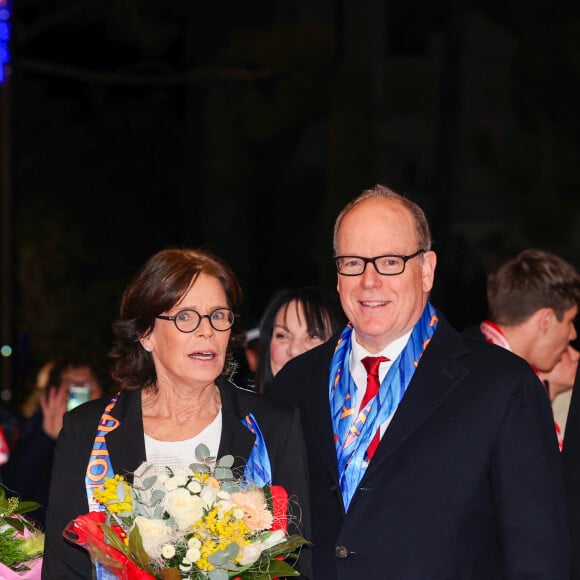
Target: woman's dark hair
157,287
322,315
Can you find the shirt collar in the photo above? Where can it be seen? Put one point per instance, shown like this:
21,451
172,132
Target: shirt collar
391,351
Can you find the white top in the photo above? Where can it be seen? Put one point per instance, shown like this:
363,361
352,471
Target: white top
359,373
176,454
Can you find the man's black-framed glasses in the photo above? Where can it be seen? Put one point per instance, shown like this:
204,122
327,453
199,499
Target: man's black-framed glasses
221,319
390,265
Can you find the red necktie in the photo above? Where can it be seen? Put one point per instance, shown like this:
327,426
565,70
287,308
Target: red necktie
371,364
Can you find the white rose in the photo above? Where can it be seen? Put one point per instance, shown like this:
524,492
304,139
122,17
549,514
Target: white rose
194,543
224,494
194,486
250,553
180,479
239,514
275,538
153,533
184,508
168,551
208,495
193,554
171,484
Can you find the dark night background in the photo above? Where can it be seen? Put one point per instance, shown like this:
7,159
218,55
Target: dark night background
244,127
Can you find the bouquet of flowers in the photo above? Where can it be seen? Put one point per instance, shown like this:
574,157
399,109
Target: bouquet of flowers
197,523
21,541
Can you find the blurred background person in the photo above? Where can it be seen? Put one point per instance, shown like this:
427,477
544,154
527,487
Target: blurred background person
9,430
559,383
251,351
245,355
31,403
171,356
294,321
571,464
72,380
532,301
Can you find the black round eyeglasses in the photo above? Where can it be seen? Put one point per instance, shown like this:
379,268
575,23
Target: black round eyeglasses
188,320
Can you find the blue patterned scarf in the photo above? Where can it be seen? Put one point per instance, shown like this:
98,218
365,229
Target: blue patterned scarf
258,470
352,434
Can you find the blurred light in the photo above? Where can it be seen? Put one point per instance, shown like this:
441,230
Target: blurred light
5,10
6,350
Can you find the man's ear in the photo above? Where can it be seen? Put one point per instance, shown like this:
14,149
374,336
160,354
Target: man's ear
428,270
545,317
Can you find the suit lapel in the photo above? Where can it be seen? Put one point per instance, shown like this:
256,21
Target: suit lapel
436,377
126,444
236,439
317,412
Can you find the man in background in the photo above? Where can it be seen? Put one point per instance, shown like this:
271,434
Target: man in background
72,380
533,300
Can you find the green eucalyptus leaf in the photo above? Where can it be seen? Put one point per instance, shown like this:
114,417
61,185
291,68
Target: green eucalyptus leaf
232,550
218,575
218,559
223,473
199,468
149,482
226,461
121,491
231,566
230,486
156,497
202,452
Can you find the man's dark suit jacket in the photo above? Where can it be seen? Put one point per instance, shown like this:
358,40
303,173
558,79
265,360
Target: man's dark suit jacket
466,482
571,459
280,427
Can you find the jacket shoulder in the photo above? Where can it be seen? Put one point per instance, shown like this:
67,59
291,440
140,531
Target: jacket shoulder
247,401
481,358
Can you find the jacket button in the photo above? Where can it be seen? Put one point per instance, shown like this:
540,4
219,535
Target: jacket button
341,552
333,488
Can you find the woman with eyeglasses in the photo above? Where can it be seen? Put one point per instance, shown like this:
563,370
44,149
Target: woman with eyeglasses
171,350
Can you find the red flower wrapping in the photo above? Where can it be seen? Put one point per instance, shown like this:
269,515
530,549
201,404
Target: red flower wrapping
86,532
280,508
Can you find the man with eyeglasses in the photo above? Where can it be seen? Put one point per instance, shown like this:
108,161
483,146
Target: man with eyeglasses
431,455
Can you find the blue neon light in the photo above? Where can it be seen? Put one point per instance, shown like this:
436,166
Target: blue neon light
5,10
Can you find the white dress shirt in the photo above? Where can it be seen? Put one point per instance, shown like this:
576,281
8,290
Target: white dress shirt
359,373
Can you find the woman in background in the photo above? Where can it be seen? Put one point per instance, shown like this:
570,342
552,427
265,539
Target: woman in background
295,320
